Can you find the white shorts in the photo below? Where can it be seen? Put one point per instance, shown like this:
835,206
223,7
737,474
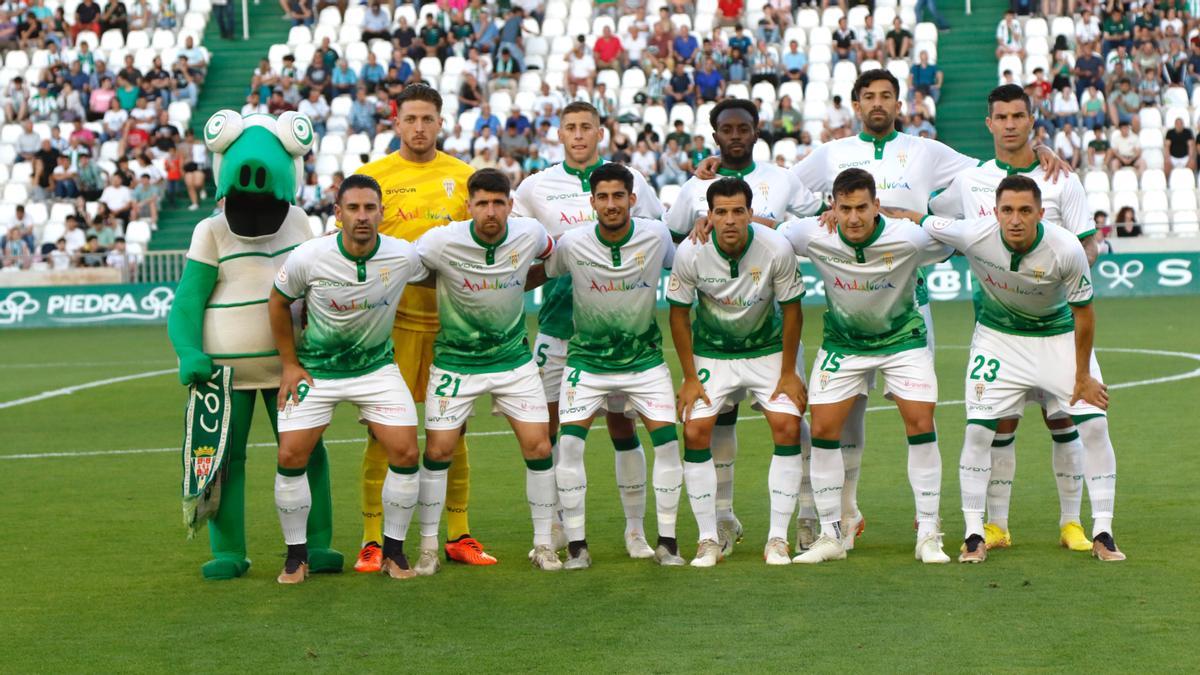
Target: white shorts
1179,162
1004,371
381,397
731,380
550,355
450,396
732,401
649,392
908,375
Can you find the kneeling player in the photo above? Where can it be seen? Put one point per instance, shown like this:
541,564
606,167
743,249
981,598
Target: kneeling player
869,265
481,268
350,283
1034,330
615,267
739,345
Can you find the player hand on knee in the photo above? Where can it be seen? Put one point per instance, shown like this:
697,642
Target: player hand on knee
294,377
689,392
791,386
1088,388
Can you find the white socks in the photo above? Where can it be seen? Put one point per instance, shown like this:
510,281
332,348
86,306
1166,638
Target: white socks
854,441
700,476
1100,468
668,479
431,500
631,481
783,483
1067,456
724,454
925,477
1004,467
828,477
572,479
293,501
400,491
542,494
974,472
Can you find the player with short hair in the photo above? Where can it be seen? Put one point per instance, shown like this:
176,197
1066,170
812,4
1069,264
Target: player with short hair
1034,329
350,283
480,268
615,266
739,344
872,325
560,198
422,188
777,194
972,195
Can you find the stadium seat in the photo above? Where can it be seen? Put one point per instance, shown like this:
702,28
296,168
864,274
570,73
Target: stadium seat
139,39
1063,25
1010,62
1125,180
315,224
1151,140
299,35
633,78
1182,178
1156,229
610,79
668,194
327,165
793,89
340,106
794,33
925,31
884,15
8,156
1172,113
1151,118
358,144
59,212
819,36
819,72
1123,198
1158,219
162,39
813,110
683,113
785,147
138,232
1183,199
349,34
830,17
16,193
764,91
350,164
737,90
1154,200
1185,223
430,68
17,60
1175,96
332,144
1153,179
1099,201
112,39
381,142
845,71
38,214
52,232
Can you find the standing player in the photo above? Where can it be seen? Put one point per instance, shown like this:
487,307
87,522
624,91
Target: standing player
615,266
422,188
1034,330
972,195
907,169
869,267
776,195
480,268
350,283
738,343
560,198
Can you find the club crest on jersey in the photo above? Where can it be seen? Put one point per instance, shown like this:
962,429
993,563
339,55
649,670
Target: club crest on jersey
889,260
764,189
824,380
902,157
448,184
385,275
571,397
1038,273
756,274
640,259
442,403
514,259
979,388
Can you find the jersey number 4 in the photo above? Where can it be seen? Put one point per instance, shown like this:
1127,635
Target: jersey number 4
992,367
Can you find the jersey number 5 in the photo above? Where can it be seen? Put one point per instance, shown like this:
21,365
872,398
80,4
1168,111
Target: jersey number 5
541,354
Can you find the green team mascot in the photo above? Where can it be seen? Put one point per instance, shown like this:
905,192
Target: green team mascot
219,328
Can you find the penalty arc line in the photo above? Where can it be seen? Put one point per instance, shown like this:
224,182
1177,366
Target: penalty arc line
1195,373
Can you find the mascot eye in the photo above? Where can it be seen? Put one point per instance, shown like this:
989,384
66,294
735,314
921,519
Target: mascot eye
222,129
295,132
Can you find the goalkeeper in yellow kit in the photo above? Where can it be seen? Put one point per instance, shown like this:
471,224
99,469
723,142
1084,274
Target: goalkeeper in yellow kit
422,189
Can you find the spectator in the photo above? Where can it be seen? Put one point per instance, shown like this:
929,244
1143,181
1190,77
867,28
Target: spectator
487,34
658,50
506,71
16,100
517,120
1119,63
296,11
145,199
1104,244
796,63
685,46
510,33
709,82
458,144
697,152
1115,31
43,107
60,259
924,105
372,73
461,33
729,11
1065,107
1089,70
197,62
141,17
184,83
432,39
634,47
469,94
899,41
680,89
316,109
870,40
1087,28
581,67
1126,150
643,160
90,178
837,121
118,258
805,147
223,10
74,236
674,166
534,162
44,162
1150,88
768,29
926,77
844,43
930,7
1127,225
548,116
118,198
608,51
651,137
92,253
511,168
1066,144
1124,104
513,144
343,79
1180,147
253,105
362,114
1009,36
63,180
87,17
10,31
487,119
486,140
316,76
376,24
115,17
919,126
1091,107
484,159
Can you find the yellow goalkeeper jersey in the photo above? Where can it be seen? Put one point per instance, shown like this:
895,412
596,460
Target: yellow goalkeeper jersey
417,197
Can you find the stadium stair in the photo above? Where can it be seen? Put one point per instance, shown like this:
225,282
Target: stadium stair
967,55
228,80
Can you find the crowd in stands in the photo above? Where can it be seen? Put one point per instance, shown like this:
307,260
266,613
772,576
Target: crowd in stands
651,69
1115,87
95,102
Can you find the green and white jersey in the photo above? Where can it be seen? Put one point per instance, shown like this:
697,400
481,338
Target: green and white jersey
351,302
1020,293
871,306
560,199
738,314
777,193
481,293
973,195
614,292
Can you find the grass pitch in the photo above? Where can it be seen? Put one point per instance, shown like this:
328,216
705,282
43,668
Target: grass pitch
96,574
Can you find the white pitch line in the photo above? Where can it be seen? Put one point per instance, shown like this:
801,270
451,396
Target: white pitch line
81,364
65,391
340,441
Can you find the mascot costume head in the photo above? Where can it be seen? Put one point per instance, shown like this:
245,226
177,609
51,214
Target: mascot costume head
221,333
